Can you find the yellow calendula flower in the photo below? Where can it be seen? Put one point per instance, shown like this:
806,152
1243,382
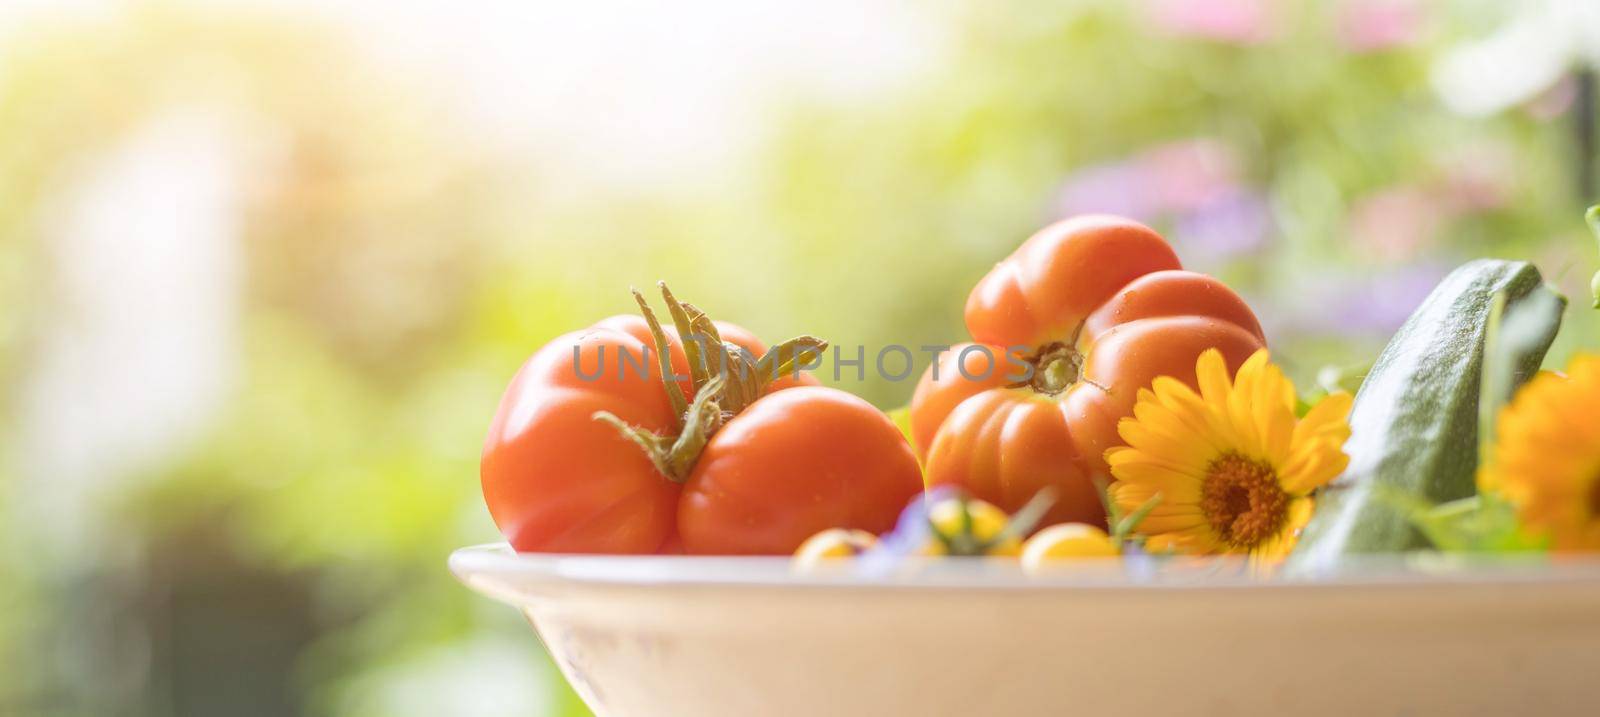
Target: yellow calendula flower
1234,466
1546,456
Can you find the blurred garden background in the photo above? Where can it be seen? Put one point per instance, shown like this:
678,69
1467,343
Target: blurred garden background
265,266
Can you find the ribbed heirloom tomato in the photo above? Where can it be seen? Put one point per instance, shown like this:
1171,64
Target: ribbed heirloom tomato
595,450
1065,332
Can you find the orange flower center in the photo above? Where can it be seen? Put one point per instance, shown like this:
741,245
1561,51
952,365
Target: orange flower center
1242,501
1594,496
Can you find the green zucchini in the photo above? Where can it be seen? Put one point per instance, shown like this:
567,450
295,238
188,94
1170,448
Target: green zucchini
1414,425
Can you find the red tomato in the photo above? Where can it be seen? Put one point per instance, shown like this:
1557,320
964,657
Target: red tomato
1097,307
793,464
787,465
555,479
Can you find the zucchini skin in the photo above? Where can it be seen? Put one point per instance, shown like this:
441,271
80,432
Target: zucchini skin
1414,423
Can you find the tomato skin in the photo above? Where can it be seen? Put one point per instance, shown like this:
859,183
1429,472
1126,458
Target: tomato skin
544,436
1113,289
1059,275
1005,445
987,366
1174,293
558,481
790,465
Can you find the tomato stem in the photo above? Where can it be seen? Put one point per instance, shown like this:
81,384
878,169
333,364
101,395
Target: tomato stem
698,370
703,419
725,378
675,456
1056,368
1058,365
800,351
654,446
964,541
1028,517
663,359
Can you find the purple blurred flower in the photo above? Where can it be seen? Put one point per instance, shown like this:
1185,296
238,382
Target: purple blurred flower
1226,227
1372,305
1242,22
1196,184
910,533
1372,25
1121,188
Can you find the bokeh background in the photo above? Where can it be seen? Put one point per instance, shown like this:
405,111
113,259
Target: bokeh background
265,266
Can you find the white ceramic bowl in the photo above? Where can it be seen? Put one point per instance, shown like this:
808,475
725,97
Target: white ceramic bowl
660,636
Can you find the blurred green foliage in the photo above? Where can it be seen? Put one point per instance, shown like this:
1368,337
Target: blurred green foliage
397,273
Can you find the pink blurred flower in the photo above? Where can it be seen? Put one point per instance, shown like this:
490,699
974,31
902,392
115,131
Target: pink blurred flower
1397,222
1555,100
1243,22
1477,177
1192,173
1393,224
1371,25
1171,178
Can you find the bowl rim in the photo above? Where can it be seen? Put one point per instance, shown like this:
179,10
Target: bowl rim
496,563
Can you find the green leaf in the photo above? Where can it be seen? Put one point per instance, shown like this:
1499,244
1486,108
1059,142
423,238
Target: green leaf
1513,336
1124,527
1022,522
1331,379
1480,524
